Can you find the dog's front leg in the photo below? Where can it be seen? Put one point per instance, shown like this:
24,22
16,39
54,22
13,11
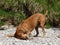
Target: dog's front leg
37,32
28,34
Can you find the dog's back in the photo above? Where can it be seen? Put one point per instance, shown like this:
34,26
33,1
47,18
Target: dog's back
29,24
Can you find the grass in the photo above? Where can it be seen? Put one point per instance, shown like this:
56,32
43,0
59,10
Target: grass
18,16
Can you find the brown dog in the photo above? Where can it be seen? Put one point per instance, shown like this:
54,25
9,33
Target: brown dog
26,27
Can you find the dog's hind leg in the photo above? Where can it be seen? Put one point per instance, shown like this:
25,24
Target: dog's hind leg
36,28
42,26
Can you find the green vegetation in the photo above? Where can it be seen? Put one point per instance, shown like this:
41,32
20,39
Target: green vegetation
18,10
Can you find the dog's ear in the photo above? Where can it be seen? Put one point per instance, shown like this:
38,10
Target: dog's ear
25,32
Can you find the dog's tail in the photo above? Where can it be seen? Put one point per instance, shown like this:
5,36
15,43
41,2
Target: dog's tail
9,35
46,12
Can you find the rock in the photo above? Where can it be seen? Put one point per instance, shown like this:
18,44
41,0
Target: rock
50,39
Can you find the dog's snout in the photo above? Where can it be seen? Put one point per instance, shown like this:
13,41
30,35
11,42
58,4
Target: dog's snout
25,38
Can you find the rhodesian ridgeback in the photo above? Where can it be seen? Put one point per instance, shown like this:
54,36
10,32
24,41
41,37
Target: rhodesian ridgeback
25,28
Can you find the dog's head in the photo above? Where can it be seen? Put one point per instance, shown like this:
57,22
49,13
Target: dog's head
21,35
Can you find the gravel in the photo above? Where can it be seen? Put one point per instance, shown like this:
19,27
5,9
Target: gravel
50,38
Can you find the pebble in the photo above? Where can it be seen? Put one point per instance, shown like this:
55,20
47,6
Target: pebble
50,39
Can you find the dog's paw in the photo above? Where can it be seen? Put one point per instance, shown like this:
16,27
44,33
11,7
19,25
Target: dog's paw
35,35
43,36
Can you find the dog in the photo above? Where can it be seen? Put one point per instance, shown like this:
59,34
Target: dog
25,28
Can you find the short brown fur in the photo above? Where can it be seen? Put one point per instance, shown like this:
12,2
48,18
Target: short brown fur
26,27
